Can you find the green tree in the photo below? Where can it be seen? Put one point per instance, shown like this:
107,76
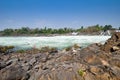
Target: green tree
36,31
81,27
24,30
7,32
107,27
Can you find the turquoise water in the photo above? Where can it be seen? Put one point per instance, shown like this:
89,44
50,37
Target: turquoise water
56,41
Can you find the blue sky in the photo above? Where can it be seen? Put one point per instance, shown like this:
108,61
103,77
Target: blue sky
58,13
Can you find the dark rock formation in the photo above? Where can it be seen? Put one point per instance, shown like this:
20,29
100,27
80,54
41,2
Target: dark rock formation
112,44
90,63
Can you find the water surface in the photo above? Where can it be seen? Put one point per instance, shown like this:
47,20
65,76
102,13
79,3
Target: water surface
56,41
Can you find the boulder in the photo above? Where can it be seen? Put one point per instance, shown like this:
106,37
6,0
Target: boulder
115,48
12,73
112,44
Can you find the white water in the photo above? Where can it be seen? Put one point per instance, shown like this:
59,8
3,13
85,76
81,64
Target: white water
56,41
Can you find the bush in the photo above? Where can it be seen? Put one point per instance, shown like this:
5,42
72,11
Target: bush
21,51
81,72
49,49
6,49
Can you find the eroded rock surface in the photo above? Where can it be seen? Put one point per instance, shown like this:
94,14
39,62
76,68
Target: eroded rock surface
112,44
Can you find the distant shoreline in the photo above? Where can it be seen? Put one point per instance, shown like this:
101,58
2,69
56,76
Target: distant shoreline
52,35
90,30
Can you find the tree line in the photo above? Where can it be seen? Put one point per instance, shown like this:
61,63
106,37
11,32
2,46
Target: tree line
46,31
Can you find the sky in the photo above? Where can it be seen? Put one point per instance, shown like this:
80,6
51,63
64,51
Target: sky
58,13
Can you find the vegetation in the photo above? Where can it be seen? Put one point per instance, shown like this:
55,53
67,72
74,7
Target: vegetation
68,48
81,72
46,31
20,51
48,49
6,49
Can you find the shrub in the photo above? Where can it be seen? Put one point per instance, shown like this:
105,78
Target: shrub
21,51
81,72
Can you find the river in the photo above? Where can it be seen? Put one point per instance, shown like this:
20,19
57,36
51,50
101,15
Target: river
57,41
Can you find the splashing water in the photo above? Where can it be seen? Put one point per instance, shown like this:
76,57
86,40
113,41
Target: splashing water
57,41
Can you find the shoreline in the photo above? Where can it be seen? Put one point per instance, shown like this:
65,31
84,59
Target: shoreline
55,35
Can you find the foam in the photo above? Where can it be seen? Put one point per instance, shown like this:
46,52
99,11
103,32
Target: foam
56,41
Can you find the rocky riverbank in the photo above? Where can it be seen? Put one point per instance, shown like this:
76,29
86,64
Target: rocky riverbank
95,62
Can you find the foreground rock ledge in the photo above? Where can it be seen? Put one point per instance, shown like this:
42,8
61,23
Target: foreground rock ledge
96,62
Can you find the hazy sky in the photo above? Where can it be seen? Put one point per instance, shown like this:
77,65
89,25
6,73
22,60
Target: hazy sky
58,13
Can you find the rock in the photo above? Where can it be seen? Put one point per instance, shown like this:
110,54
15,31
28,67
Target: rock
105,76
26,77
32,61
112,44
115,48
66,57
44,58
27,67
2,65
95,70
76,46
12,73
37,67
11,61
72,48
115,62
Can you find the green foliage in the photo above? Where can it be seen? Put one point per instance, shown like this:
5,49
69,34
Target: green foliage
107,27
7,31
68,48
20,51
76,46
48,49
80,29
89,29
24,30
5,48
46,31
81,72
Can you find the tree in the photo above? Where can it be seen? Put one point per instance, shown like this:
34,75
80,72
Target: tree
81,27
107,27
7,32
36,31
24,30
